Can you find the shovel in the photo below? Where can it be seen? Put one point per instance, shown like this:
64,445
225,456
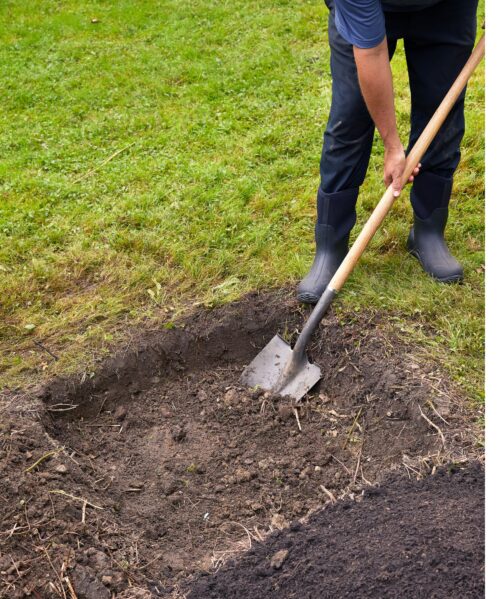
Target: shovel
287,372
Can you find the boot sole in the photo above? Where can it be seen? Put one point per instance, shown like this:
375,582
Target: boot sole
451,279
307,298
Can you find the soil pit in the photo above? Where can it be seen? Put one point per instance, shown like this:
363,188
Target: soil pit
160,465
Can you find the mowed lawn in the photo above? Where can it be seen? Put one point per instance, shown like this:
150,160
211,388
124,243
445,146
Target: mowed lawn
160,155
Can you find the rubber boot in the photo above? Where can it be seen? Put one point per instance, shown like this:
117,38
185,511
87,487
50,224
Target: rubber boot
430,197
336,217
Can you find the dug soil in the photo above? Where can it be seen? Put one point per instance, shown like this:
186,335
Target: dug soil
159,466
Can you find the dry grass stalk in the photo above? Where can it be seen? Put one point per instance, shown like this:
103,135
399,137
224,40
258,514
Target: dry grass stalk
435,426
43,458
82,499
327,492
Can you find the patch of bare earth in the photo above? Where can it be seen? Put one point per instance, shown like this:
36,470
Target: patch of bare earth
161,466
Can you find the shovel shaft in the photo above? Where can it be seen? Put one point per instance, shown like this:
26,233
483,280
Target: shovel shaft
312,322
414,157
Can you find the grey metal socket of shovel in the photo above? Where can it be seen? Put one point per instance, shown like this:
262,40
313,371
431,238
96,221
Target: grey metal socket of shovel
287,372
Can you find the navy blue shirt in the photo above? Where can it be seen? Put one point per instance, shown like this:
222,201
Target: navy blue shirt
362,23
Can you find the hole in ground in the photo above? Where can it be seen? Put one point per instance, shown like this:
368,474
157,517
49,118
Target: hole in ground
186,463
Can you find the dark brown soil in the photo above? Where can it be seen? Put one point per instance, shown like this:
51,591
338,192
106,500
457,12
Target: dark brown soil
407,539
160,465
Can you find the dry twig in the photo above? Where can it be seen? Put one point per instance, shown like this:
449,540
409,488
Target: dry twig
46,349
60,591
433,426
329,493
82,499
70,587
429,402
352,427
296,412
359,462
61,407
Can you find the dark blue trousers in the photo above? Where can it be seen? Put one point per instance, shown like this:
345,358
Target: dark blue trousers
437,42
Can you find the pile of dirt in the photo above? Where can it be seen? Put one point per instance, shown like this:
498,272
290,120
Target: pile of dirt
407,539
160,465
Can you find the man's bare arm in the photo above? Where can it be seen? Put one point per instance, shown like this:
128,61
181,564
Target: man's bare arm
375,80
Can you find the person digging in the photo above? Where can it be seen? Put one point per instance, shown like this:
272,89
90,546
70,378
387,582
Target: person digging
438,39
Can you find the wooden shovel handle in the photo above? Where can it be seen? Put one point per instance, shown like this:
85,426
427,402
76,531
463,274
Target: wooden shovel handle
412,160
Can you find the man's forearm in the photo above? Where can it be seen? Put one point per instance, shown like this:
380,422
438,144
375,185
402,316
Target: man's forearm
375,80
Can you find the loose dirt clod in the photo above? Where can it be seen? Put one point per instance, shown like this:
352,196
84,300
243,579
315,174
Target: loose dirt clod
178,433
172,467
278,559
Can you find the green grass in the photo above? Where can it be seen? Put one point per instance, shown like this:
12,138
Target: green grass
167,155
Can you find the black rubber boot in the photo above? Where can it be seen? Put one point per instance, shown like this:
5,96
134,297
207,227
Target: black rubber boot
336,217
430,197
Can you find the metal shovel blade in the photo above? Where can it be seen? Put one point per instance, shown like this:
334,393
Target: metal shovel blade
273,369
